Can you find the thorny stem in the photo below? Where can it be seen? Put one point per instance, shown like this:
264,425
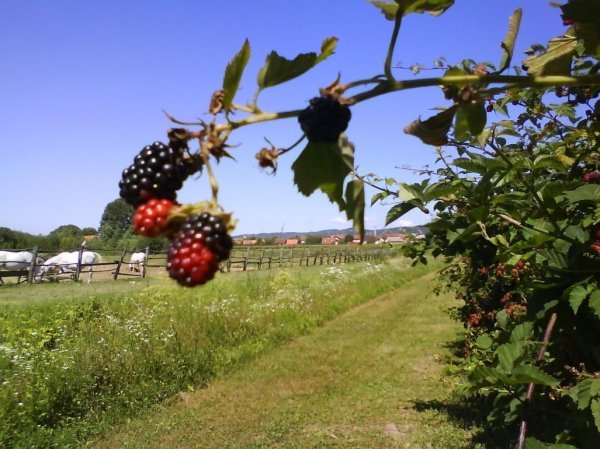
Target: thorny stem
211,175
375,186
390,53
294,145
382,88
530,388
463,80
256,118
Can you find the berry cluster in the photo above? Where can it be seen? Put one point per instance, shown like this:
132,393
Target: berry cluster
158,171
324,119
196,251
201,242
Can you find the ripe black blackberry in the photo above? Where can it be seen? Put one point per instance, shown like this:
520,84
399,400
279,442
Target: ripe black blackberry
324,119
195,252
158,171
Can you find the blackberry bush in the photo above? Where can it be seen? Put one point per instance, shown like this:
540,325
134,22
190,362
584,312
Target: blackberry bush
195,253
324,119
158,171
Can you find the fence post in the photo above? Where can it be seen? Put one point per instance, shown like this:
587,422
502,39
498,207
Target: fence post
78,270
144,265
246,258
260,258
32,265
119,263
270,257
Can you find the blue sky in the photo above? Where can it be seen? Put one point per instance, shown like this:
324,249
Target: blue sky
83,86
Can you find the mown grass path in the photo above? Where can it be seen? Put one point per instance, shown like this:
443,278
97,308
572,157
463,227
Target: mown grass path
371,378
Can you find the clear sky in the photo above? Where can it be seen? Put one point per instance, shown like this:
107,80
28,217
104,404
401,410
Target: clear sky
83,85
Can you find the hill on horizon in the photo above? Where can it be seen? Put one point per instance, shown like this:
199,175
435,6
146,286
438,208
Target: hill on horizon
419,229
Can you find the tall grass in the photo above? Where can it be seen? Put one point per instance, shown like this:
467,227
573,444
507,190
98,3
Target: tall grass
70,368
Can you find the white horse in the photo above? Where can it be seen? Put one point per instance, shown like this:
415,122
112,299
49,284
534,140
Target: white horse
67,262
137,261
18,261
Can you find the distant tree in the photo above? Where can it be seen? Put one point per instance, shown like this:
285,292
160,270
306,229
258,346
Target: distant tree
348,238
8,238
68,236
116,222
89,231
269,241
313,239
69,230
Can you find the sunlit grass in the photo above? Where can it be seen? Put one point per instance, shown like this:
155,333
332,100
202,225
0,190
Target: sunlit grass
372,378
98,353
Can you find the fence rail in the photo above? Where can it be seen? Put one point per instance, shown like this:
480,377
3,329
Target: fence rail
241,259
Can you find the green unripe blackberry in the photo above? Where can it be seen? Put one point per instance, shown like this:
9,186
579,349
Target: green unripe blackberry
158,171
195,252
324,119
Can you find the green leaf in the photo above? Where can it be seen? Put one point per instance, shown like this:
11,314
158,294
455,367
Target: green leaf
577,295
398,211
434,7
524,374
409,192
595,408
478,164
548,161
278,69
355,205
379,196
583,392
470,120
389,10
508,44
507,354
556,60
587,192
484,341
594,302
532,443
434,130
324,165
439,190
233,74
502,318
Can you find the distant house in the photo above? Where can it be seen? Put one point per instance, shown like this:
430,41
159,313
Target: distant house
291,242
280,241
393,238
332,240
247,242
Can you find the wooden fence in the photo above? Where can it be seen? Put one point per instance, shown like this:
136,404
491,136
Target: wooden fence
241,259
278,257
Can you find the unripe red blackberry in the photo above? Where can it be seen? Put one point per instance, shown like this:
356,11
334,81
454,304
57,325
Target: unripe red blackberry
158,171
592,177
324,119
195,253
150,219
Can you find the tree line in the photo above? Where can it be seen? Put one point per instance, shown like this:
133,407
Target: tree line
115,232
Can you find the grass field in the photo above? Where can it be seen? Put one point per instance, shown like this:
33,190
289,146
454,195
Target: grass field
78,359
371,378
